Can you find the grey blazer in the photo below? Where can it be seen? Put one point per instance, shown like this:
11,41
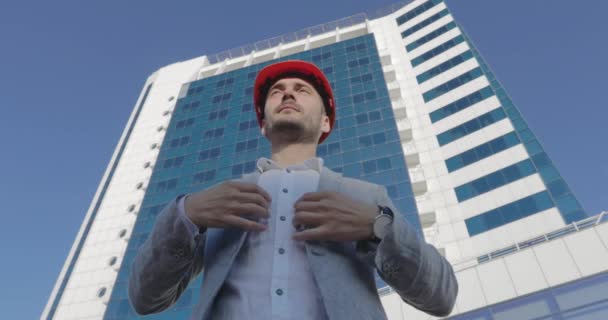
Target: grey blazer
344,271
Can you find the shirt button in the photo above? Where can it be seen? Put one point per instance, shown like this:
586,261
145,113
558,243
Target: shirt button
279,292
283,218
284,190
281,250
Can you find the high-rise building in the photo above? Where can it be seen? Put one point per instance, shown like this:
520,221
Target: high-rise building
418,111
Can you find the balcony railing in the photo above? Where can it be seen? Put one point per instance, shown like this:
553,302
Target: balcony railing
303,34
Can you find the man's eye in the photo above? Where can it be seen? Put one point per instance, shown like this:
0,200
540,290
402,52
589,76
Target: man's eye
275,91
304,90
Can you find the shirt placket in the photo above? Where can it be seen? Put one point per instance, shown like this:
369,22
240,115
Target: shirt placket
280,269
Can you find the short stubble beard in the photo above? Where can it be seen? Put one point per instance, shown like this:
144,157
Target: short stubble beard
287,131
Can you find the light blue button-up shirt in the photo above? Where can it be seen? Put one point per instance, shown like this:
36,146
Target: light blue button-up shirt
271,277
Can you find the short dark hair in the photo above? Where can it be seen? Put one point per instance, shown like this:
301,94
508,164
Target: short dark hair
314,81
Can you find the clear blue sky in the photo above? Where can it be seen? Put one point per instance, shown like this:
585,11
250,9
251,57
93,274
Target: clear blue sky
71,73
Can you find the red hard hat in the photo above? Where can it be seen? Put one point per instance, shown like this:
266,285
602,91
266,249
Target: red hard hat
296,69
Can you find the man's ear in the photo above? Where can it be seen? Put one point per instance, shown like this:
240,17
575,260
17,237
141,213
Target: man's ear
325,126
263,128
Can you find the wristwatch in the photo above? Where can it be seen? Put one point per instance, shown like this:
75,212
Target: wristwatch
381,223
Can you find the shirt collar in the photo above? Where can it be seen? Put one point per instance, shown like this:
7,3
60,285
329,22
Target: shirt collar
265,164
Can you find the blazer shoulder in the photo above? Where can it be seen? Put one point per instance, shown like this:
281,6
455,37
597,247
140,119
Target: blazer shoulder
361,185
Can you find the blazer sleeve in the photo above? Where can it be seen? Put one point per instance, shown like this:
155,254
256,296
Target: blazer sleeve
413,268
166,262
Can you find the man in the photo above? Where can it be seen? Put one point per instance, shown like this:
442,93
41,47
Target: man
293,240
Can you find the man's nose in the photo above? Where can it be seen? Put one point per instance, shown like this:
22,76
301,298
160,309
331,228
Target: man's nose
288,94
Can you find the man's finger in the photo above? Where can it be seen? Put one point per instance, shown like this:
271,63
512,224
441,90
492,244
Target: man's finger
252,188
313,196
251,208
242,223
255,198
307,205
310,234
307,218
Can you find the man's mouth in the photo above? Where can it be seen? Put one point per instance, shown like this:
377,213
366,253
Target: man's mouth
287,107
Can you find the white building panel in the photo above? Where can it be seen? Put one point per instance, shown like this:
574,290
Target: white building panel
456,94
438,59
419,18
496,281
501,196
602,232
526,274
449,75
429,28
490,164
588,251
393,306
435,42
557,262
470,292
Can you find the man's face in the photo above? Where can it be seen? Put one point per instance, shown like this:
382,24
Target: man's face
294,112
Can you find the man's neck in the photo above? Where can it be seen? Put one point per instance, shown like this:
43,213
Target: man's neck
291,154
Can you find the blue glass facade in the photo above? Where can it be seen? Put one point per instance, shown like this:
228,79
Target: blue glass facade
560,193
425,23
557,190
417,11
213,137
482,151
583,299
430,36
443,67
494,180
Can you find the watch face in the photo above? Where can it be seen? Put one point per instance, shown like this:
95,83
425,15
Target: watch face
381,225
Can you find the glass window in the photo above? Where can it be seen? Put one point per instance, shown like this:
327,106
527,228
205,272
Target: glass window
464,192
252,144
533,147
369,166
365,141
483,151
384,164
541,160
237,169
215,152
246,107
374,116
240,146
558,188
379,138
425,23
468,157
533,307
567,204
249,166
333,148
480,185
454,163
496,180
432,35
548,174
438,50
416,11
361,118
223,113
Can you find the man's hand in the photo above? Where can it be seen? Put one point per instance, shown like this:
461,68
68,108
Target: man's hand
227,204
333,216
